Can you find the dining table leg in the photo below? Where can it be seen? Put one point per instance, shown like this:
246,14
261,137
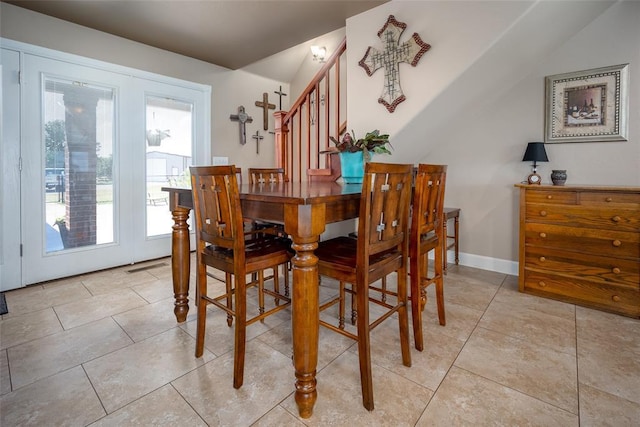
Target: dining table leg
305,223
180,261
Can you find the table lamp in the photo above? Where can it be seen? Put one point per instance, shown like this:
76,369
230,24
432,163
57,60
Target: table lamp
535,153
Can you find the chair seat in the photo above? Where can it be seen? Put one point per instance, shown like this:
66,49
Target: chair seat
272,250
340,253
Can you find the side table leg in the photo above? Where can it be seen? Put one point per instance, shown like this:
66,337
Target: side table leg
180,262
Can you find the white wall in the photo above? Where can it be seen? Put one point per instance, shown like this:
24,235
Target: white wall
477,97
229,88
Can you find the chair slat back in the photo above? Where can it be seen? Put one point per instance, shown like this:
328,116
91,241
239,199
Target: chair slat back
216,203
428,200
384,208
266,175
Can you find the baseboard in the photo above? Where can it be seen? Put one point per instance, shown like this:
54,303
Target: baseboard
485,263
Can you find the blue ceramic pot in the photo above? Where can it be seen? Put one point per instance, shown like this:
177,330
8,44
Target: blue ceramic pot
352,165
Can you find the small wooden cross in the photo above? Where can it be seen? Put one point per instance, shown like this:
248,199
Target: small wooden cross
242,118
390,58
257,137
265,109
280,94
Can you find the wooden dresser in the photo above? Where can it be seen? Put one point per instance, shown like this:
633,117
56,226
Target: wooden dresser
581,245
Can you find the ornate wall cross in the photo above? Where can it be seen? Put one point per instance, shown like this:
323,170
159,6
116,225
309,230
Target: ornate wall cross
242,118
280,93
265,109
257,137
390,58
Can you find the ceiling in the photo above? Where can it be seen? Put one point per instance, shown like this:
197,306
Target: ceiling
229,33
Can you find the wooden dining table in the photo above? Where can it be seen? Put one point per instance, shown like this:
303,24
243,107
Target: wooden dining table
305,209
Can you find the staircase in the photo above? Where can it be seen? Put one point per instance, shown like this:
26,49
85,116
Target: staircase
302,134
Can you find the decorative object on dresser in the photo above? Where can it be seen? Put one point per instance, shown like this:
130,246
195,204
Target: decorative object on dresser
587,106
535,152
581,245
558,176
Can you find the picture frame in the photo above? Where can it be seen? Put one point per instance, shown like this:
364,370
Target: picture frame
587,106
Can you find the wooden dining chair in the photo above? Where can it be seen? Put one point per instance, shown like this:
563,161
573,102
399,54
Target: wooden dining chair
266,175
381,248
427,235
224,244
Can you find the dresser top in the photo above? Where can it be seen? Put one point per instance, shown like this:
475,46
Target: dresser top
609,188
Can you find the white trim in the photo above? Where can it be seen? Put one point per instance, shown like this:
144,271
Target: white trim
485,263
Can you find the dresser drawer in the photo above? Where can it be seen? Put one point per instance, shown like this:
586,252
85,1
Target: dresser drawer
607,270
587,240
606,217
553,197
610,199
582,292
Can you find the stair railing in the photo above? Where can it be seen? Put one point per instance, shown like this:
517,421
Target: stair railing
302,134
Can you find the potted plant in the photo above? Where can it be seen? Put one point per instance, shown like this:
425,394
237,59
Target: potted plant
355,152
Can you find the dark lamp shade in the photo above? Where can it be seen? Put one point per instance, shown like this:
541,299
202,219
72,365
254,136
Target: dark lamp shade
535,153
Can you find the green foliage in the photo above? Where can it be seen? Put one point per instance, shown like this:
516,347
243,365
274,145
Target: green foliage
372,142
55,138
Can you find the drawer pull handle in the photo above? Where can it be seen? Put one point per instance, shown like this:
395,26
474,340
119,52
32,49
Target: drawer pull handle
616,219
543,235
615,298
608,199
616,243
542,259
542,284
615,270
543,213
549,197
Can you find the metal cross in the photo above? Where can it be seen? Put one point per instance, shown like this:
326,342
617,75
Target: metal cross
265,109
242,118
280,93
257,137
391,57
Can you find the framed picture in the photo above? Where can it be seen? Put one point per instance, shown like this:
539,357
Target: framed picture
587,106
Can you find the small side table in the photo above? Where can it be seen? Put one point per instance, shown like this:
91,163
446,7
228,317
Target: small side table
451,213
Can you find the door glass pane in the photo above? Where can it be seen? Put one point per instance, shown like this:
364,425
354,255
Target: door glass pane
169,139
78,177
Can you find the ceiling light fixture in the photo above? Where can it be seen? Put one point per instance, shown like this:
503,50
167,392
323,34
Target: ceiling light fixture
319,53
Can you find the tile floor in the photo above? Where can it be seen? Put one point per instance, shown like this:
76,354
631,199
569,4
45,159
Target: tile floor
104,349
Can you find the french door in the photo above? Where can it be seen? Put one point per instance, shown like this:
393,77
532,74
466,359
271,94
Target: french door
96,147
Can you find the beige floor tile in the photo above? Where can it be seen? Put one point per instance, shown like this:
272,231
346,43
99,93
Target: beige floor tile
30,299
461,320
599,408
485,276
20,329
63,399
156,291
466,399
469,291
130,373
143,322
162,407
428,368
278,417
110,281
339,400
541,372
97,307
608,349
209,389
49,355
5,377
528,317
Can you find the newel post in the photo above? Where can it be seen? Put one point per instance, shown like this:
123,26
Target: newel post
282,132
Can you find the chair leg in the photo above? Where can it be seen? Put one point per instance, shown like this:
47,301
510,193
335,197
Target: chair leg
240,330
276,283
287,268
439,282
403,317
341,306
364,345
261,293
229,286
202,309
416,313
